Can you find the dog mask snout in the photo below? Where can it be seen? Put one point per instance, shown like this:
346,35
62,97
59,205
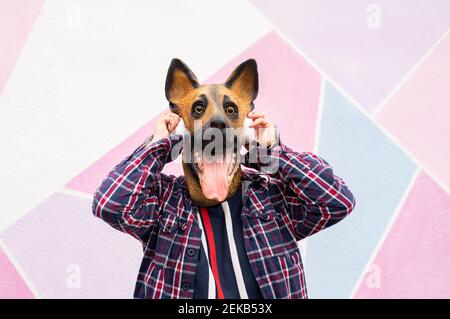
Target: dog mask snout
217,122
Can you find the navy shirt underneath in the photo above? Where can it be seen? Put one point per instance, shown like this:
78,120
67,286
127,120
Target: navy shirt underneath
223,255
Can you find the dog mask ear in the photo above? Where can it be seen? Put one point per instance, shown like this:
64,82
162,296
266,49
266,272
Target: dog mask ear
244,81
180,81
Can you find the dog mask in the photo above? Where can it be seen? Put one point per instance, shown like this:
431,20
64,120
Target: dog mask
213,115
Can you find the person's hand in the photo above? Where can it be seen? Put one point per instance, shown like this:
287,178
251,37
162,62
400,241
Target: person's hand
265,131
165,125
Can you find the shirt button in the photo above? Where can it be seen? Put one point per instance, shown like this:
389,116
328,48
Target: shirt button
183,226
191,252
185,286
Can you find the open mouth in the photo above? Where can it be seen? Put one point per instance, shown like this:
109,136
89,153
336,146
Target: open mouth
215,170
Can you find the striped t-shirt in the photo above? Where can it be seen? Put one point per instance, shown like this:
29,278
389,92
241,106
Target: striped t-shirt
223,269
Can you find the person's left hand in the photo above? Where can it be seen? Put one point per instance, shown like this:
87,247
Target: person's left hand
265,131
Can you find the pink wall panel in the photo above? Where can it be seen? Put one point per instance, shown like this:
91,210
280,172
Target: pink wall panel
415,258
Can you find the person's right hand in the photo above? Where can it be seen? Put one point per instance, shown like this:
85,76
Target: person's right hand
165,125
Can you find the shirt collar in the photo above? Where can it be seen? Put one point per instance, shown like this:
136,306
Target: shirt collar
250,174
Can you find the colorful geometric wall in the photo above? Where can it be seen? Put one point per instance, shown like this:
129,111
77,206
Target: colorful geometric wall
364,84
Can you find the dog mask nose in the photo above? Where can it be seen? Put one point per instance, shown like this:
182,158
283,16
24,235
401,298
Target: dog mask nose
218,122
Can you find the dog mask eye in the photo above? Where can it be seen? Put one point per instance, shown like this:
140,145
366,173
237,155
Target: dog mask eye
198,108
230,109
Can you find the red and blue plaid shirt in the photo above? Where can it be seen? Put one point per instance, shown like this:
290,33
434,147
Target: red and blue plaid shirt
300,199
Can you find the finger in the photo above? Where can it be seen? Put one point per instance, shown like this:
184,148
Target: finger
260,122
175,117
173,122
168,118
166,112
171,126
255,115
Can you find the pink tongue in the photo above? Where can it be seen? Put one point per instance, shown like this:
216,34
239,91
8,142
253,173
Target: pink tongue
214,181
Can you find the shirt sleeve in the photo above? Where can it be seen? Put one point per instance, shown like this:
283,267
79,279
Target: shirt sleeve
128,197
316,198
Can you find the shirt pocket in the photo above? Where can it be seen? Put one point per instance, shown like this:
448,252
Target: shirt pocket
168,223
264,210
269,232
264,234
168,227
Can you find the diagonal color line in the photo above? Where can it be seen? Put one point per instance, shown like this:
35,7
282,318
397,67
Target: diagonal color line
14,33
408,153
308,59
358,106
20,270
303,244
386,231
319,115
75,193
410,73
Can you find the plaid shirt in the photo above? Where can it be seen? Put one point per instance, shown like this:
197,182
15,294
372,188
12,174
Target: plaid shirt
300,199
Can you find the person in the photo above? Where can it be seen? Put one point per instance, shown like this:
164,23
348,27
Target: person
204,238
